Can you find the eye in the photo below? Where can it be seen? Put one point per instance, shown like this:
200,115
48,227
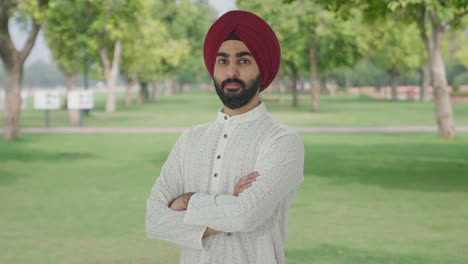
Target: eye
222,61
244,61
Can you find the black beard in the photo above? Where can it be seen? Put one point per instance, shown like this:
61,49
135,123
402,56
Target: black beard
237,100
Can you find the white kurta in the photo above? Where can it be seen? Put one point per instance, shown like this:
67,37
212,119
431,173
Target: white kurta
209,160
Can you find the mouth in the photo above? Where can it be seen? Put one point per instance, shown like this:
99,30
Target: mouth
232,86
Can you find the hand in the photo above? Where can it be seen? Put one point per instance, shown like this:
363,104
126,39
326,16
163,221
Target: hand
210,232
181,203
245,182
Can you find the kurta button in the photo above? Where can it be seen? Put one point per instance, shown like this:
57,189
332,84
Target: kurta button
228,234
225,117
225,135
219,156
215,175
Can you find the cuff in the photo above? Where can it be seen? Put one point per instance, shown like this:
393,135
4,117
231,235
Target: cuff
196,209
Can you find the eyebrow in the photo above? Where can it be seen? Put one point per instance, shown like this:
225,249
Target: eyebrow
238,55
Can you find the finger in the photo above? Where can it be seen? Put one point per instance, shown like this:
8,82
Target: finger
244,188
248,181
252,174
248,178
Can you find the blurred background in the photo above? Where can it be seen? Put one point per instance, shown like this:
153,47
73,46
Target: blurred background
94,95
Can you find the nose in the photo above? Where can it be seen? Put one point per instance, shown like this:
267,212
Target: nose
233,70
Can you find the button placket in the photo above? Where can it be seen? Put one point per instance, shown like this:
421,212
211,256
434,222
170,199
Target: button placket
217,159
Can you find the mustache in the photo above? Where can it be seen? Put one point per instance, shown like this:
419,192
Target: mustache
232,80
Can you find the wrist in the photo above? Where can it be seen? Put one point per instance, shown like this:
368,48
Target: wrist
188,196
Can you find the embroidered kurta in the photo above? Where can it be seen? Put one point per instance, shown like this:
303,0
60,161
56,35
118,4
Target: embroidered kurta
209,160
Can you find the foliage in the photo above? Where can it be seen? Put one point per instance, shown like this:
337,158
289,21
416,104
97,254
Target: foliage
192,21
396,47
65,31
171,34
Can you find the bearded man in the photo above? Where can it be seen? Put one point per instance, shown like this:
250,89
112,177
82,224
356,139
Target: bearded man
224,192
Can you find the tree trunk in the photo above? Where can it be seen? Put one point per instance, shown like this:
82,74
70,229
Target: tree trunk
168,87
178,87
73,114
128,94
13,61
394,84
111,72
315,87
144,93
443,105
293,82
424,81
156,92
12,107
348,81
128,90
323,85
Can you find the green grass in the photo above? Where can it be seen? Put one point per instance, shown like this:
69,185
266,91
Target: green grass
197,107
366,198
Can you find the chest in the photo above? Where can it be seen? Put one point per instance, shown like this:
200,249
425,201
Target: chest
218,158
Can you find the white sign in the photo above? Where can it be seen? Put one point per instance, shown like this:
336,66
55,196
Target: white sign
47,100
83,99
24,99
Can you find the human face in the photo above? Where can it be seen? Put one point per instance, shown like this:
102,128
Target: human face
236,74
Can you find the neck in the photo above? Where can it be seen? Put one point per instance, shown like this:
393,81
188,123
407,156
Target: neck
244,109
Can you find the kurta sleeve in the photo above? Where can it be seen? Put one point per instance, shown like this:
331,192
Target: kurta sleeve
281,168
163,223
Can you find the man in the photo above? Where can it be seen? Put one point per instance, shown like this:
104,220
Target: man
224,192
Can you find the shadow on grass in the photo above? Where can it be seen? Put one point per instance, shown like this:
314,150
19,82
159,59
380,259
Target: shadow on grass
8,177
15,154
427,167
20,151
344,255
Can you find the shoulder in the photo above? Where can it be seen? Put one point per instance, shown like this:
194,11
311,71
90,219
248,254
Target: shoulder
278,132
279,129
195,132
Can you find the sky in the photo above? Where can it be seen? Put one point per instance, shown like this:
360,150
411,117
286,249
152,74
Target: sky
41,52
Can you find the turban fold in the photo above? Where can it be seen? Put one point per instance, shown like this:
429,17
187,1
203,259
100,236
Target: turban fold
256,34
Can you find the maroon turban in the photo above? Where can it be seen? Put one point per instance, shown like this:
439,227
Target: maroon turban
256,34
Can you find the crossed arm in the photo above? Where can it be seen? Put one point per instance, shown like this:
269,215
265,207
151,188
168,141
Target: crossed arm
181,203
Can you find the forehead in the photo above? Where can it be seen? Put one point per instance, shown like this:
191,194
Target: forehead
233,47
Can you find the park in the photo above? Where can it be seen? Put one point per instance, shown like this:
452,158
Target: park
385,173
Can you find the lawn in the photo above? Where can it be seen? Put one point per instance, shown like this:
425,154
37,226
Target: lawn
366,198
197,107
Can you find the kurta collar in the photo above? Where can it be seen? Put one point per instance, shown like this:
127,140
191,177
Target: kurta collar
245,117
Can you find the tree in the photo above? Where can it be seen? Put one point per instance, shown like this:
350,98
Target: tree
434,18
394,47
441,16
109,24
187,22
32,13
190,23
163,52
65,31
